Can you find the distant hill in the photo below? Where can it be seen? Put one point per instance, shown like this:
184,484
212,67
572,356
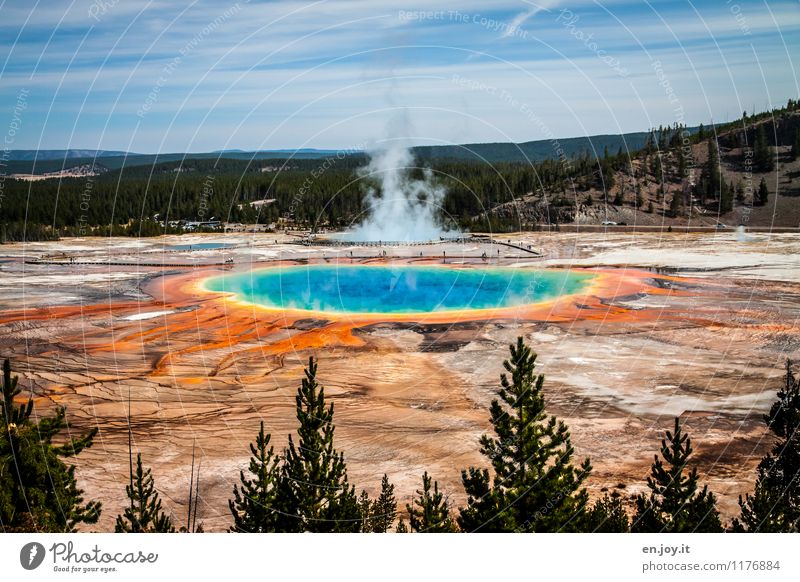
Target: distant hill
264,154
536,151
22,161
72,154
50,155
715,179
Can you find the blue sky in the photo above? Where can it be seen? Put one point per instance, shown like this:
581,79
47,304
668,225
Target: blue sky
166,76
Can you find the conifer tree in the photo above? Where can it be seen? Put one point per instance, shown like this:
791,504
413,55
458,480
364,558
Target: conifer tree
535,486
774,506
144,514
675,504
762,196
608,177
365,509
711,177
315,494
384,509
658,169
649,143
429,511
608,515
38,491
726,198
254,501
343,515
762,155
676,204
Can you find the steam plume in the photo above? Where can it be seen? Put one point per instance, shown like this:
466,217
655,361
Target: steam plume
404,209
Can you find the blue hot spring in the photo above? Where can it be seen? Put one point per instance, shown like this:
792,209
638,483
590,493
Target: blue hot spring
396,289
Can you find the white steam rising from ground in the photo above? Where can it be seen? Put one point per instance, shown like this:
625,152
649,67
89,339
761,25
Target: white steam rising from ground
404,209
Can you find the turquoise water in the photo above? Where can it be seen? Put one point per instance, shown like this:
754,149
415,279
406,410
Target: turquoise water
396,289
199,247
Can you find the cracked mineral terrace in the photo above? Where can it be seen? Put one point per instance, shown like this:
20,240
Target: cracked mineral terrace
696,325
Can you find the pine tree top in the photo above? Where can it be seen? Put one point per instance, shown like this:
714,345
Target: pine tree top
314,480
144,514
531,455
676,503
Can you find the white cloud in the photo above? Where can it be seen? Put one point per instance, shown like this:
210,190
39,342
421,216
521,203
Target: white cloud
517,22
285,74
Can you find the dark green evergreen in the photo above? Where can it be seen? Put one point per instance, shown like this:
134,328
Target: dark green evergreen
315,495
762,195
365,510
763,159
608,515
726,198
676,204
429,511
384,509
774,506
534,486
144,514
38,491
675,503
658,169
253,506
709,186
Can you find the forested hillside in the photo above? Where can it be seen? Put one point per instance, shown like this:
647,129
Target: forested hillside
725,173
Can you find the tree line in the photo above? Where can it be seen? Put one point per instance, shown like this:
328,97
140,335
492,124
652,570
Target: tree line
531,481
330,193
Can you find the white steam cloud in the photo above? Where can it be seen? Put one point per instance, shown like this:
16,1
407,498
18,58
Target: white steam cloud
404,208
